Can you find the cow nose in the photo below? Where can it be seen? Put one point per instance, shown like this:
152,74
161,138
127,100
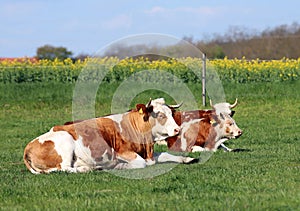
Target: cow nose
176,130
240,132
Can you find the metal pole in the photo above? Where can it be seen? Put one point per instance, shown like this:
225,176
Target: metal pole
203,79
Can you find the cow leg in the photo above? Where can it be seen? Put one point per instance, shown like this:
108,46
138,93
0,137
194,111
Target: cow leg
136,163
218,143
197,149
150,162
83,160
166,157
75,158
226,149
81,167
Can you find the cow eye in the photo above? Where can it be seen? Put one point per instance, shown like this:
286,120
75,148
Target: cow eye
161,115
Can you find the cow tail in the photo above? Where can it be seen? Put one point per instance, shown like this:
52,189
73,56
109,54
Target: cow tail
29,164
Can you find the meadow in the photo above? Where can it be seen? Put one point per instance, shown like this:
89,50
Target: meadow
264,177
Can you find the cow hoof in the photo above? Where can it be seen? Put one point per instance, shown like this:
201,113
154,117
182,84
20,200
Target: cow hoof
228,150
197,149
150,162
83,169
189,160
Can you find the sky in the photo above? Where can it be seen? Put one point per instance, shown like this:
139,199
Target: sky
85,26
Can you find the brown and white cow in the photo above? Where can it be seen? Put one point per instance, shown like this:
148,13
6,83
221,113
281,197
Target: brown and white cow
120,141
202,134
187,116
227,109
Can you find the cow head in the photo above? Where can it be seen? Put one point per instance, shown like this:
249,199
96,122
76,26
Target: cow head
224,107
162,122
228,127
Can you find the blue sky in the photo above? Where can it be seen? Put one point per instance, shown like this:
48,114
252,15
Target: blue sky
86,26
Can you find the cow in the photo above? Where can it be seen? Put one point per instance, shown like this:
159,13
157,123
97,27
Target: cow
202,134
118,141
186,116
227,109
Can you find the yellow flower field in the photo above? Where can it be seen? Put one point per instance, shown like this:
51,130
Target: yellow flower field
187,69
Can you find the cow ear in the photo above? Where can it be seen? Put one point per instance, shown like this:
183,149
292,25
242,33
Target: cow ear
141,108
232,113
214,119
150,109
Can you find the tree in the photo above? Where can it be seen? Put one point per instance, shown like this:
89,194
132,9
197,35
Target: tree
82,56
238,42
51,52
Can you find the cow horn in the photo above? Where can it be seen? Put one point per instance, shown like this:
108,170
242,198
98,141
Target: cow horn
211,104
176,106
234,104
149,103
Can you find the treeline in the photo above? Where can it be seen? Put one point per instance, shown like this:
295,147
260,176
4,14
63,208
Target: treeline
237,42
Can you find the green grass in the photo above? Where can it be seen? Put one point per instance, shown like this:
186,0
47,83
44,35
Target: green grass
264,178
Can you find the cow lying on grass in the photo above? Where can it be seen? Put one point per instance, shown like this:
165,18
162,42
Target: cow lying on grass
227,109
202,134
186,118
120,141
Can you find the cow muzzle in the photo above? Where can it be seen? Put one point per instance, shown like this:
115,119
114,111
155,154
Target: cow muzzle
239,133
173,131
176,131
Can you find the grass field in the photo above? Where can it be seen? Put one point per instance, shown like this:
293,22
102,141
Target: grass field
264,178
